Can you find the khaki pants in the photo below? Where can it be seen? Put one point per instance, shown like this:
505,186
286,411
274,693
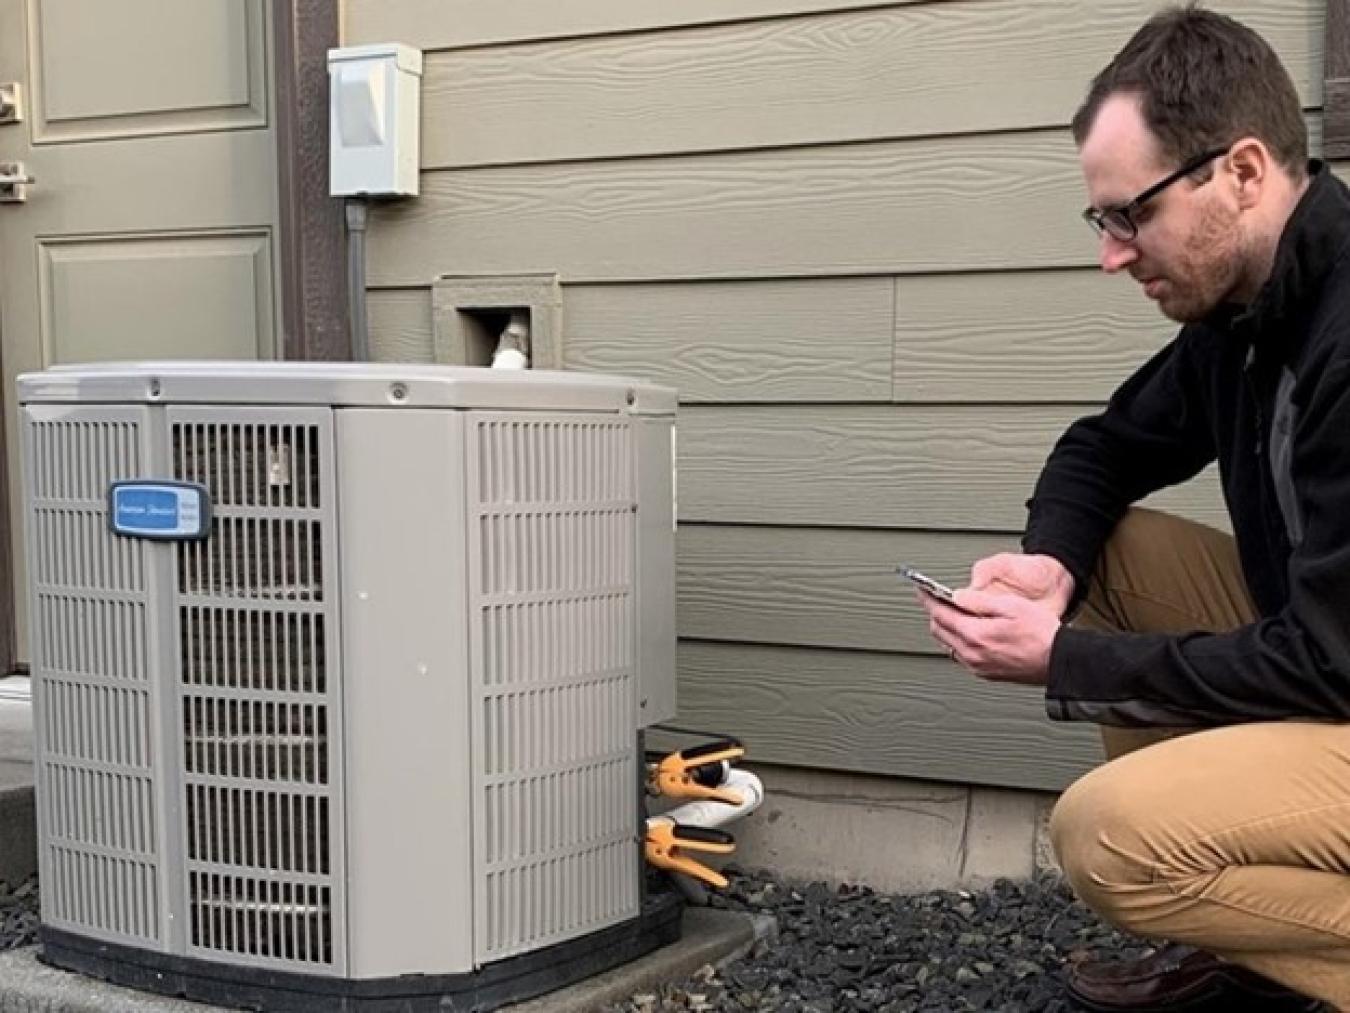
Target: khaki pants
1235,839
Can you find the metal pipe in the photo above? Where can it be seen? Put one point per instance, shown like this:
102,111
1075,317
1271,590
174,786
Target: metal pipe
357,212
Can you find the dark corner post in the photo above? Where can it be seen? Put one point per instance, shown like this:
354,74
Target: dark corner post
1336,91
312,240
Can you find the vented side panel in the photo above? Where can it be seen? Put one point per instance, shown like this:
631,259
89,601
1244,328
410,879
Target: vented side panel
552,571
93,683
260,719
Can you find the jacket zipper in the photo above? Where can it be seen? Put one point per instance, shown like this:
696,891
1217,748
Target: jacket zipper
1253,388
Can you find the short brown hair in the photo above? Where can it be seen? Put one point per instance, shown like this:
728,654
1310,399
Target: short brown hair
1203,81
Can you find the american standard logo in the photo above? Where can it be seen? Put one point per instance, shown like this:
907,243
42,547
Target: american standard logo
167,511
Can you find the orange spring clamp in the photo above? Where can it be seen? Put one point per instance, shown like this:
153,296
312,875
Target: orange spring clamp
678,774
666,841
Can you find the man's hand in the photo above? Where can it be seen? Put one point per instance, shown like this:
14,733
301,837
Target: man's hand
1037,578
1007,638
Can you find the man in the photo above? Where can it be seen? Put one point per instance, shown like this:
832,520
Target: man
1227,839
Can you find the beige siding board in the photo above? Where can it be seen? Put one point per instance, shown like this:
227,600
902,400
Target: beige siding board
820,588
993,202
966,68
443,24
1027,336
938,468
975,203
883,714
400,325
823,340
1047,336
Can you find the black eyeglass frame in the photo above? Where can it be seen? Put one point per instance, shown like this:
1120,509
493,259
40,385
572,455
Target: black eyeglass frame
1118,221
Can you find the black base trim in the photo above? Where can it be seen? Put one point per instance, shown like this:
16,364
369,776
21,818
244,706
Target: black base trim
514,979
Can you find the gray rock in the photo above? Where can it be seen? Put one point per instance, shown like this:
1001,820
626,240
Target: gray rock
848,949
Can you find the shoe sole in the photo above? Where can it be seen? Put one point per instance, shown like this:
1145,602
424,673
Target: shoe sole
1197,1004
1217,1000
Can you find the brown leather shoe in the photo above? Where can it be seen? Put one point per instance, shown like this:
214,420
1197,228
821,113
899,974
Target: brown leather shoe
1177,978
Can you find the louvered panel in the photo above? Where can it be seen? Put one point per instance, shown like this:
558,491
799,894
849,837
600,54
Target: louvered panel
552,569
571,636
92,677
528,904
259,723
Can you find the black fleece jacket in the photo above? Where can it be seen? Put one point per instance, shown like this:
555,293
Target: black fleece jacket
1265,391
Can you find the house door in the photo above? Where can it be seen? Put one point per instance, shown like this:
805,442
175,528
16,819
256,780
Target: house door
149,228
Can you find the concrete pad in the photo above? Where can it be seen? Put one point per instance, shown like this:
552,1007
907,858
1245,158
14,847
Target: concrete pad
29,986
18,835
18,819
16,739
709,937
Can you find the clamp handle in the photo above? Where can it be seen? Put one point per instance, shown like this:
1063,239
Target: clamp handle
678,773
666,841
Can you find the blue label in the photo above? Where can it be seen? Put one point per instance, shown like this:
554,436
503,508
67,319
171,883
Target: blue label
169,510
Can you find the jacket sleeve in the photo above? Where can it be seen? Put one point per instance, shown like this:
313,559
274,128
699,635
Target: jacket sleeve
1292,664
1153,433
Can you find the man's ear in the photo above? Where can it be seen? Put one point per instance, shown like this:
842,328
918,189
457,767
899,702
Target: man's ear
1250,163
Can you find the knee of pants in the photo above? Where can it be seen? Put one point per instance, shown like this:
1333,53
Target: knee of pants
1136,536
1093,830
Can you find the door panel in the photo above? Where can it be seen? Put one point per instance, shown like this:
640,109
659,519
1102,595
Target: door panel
156,297
150,231
203,58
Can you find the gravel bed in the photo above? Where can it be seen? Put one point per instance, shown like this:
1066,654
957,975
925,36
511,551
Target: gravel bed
852,950
18,914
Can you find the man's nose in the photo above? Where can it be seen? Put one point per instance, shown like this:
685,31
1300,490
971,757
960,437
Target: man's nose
1116,255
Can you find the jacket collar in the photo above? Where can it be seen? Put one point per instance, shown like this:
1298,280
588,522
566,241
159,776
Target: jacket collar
1313,238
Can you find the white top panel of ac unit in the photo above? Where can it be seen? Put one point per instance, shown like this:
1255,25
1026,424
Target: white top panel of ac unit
364,384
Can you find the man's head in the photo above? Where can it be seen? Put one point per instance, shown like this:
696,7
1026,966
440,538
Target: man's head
1200,104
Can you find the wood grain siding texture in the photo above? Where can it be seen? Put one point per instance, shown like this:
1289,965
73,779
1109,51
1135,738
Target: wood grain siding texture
992,202
879,713
847,231
1337,87
827,588
794,81
738,342
1064,336
1053,337
456,24
399,321
931,468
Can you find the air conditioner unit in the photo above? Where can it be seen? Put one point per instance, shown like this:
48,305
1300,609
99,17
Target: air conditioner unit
340,673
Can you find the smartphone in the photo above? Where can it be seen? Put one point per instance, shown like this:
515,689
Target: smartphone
935,588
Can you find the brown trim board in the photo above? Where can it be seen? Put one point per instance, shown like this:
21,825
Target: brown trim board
1336,87
312,237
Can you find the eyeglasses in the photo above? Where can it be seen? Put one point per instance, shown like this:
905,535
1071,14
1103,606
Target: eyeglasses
1118,222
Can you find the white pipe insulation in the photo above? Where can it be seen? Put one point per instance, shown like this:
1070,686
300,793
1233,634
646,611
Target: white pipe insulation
711,813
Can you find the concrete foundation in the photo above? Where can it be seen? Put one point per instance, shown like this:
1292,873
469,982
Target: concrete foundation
891,834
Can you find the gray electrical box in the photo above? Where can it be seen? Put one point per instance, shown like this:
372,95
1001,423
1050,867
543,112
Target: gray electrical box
339,670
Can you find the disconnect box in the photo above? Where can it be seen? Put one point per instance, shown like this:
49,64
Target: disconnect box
375,104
